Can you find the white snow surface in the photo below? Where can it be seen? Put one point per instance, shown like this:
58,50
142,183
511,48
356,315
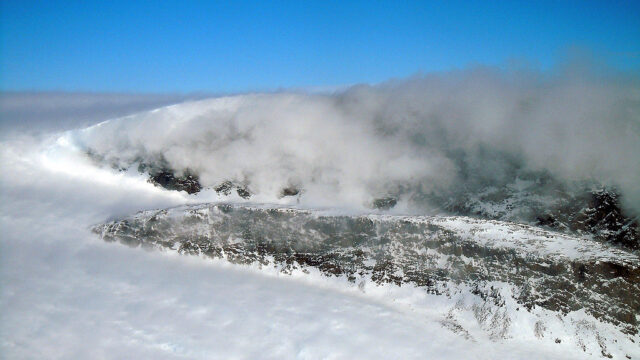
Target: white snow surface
65,294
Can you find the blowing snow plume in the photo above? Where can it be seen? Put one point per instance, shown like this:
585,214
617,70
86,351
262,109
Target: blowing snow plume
557,149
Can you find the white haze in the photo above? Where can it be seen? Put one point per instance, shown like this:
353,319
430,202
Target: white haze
42,112
405,137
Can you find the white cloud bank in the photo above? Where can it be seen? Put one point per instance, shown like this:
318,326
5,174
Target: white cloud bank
410,137
42,112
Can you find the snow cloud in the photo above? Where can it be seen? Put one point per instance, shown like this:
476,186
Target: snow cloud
407,138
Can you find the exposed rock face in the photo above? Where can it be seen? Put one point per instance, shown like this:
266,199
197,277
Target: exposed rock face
160,174
384,203
548,270
226,187
597,212
290,191
605,218
168,180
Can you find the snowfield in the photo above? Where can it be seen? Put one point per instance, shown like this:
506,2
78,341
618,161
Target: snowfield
104,301
66,294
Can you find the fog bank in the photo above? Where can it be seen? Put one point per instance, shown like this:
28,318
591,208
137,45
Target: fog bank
410,138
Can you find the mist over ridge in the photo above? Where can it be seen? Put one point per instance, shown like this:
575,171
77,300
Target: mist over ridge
409,138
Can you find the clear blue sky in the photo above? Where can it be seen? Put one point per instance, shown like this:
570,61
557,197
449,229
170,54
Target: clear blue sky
231,46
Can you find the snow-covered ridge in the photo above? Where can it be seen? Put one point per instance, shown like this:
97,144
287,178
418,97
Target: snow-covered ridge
534,241
526,239
531,267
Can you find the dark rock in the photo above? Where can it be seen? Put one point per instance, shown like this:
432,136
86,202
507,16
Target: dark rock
226,187
384,203
546,220
605,218
579,210
167,179
243,192
289,191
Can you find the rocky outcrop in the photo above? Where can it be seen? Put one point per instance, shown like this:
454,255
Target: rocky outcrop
605,218
385,203
168,180
226,187
290,191
590,210
549,270
598,213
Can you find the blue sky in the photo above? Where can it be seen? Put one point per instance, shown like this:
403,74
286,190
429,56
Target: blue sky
232,46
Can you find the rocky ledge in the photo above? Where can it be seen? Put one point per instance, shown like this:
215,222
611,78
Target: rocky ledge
548,270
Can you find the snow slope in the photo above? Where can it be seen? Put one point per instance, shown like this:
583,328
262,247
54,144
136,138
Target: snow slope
105,301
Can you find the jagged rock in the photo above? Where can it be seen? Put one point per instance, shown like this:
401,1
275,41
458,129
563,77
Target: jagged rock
243,192
385,203
604,218
167,179
549,270
579,212
226,187
159,171
547,220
